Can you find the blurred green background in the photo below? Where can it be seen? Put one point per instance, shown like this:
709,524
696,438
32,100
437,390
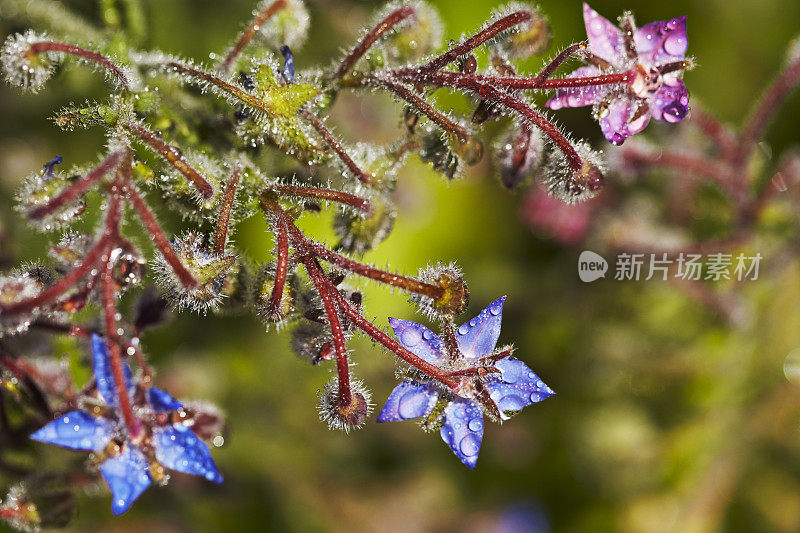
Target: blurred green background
666,418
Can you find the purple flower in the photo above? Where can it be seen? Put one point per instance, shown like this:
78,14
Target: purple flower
503,386
654,53
127,467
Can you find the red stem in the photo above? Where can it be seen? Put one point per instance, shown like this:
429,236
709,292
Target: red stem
76,189
325,289
373,331
356,202
90,260
551,67
172,156
336,146
421,105
281,265
94,57
221,235
133,424
396,280
448,79
391,20
478,39
159,238
248,34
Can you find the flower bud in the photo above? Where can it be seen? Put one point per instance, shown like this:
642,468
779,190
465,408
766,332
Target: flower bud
570,185
312,342
263,285
344,417
13,289
455,297
208,268
288,26
434,149
360,232
41,187
29,507
530,38
416,36
21,66
517,153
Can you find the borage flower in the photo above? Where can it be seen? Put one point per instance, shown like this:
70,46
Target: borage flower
491,382
130,467
655,57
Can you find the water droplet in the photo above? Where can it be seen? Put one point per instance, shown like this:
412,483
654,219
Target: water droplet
475,425
469,445
511,402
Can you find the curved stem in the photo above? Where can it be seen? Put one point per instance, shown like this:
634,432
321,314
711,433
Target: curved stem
565,54
281,265
90,260
250,32
419,104
171,155
518,17
337,147
221,234
392,345
159,238
325,290
390,21
76,189
88,55
332,195
132,423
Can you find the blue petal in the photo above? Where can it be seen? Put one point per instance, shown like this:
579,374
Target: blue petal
162,401
418,339
478,337
104,376
78,431
408,400
127,476
178,448
463,430
517,386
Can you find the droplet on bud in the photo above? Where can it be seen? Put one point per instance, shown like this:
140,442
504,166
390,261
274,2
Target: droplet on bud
21,66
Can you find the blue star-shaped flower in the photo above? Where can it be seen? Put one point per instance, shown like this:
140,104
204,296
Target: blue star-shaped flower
505,392
127,471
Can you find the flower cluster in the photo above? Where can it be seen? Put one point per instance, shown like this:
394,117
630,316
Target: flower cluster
256,138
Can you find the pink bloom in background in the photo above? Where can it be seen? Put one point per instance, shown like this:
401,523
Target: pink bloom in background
547,215
655,53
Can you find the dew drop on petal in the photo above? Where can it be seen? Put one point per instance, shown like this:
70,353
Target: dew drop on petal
469,445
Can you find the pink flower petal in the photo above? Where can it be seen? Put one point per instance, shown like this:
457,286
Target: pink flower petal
605,39
661,42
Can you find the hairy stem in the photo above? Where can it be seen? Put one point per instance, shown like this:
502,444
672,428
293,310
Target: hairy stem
171,156
221,234
337,147
420,105
132,423
332,195
248,34
768,105
159,238
76,189
88,55
390,21
518,17
325,289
